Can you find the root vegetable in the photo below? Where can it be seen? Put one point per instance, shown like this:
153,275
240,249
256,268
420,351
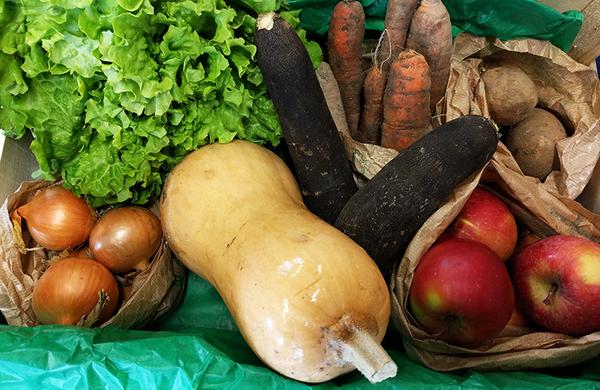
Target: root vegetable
372,114
344,47
532,142
510,93
384,214
398,17
406,114
310,134
430,34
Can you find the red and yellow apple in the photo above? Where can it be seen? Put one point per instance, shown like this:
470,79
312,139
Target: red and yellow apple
486,218
557,284
461,292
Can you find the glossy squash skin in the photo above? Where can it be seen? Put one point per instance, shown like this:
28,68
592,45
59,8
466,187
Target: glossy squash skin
296,286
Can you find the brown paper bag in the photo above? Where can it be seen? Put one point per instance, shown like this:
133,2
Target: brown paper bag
367,159
565,87
151,293
515,348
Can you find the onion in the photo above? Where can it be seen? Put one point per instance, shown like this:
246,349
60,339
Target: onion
69,289
125,238
57,219
84,252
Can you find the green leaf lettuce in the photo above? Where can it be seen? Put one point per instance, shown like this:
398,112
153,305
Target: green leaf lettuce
116,92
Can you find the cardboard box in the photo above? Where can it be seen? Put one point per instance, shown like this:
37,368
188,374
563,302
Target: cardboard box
562,5
587,43
17,163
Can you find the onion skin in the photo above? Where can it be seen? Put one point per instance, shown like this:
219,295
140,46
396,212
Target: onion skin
57,219
69,289
125,238
84,252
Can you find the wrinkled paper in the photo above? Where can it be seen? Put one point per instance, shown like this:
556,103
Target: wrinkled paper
515,348
567,88
150,293
550,202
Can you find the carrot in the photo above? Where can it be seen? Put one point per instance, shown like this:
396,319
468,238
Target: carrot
430,34
372,113
344,41
398,15
371,117
406,113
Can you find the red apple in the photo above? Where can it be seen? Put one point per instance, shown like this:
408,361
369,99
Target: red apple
461,292
518,319
525,240
487,219
557,284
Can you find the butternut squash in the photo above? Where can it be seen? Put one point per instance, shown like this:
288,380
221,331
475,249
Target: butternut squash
308,300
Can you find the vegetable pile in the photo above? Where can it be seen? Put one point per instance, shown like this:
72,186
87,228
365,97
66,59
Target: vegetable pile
303,252
391,103
93,256
116,92
532,131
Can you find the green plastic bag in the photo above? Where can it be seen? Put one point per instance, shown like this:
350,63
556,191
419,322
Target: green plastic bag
199,347
504,19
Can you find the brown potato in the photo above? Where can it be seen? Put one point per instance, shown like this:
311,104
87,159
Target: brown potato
532,142
510,94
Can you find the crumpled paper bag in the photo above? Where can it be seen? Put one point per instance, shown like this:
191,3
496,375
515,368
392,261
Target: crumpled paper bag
515,348
150,294
565,87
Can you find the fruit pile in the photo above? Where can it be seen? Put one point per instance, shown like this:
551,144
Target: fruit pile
479,278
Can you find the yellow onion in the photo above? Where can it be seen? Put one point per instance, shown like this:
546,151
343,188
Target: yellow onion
69,289
57,219
125,238
84,252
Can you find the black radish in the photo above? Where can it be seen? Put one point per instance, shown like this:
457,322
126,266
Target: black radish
322,170
384,215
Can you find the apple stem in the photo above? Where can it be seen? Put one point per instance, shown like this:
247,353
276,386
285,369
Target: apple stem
553,289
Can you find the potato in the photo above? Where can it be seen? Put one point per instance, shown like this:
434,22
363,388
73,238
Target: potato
510,94
532,142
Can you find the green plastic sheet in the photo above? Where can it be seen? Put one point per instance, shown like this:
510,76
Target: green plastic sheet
504,19
199,347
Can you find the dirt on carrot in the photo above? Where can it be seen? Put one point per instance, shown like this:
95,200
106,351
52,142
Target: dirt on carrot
430,34
344,48
369,130
397,21
406,115
371,117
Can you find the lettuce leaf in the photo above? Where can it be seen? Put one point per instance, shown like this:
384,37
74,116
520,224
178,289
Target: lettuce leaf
116,92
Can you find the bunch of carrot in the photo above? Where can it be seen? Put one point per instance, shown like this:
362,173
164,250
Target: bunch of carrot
391,104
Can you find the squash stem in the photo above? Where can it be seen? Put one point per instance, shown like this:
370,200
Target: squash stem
360,348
